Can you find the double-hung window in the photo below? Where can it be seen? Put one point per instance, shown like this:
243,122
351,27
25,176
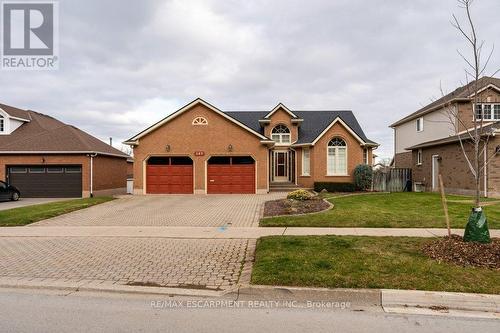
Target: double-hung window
337,157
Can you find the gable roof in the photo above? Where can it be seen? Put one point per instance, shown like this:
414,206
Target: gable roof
460,94
44,134
314,124
280,106
133,140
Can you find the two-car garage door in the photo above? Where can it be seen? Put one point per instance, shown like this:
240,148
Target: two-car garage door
43,181
225,175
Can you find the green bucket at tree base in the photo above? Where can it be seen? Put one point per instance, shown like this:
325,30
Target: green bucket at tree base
477,227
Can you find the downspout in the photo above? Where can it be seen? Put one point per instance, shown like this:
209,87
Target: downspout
92,174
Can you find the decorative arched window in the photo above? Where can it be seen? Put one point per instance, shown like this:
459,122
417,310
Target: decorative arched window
200,121
337,157
281,134
2,124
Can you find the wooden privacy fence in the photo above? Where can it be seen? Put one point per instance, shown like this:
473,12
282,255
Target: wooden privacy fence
392,180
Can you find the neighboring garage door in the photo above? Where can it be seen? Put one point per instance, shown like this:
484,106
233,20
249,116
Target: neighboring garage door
55,181
228,175
169,175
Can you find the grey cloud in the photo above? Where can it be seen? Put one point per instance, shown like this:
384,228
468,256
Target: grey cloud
126,64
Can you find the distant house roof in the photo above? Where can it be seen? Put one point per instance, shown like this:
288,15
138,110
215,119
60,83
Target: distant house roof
455,138
460,94
43,134
14,112
313,124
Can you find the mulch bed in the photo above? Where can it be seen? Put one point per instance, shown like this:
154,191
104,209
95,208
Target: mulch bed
455,250
291,207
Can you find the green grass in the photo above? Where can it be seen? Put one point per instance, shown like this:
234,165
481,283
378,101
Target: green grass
30,214
363,262
390,210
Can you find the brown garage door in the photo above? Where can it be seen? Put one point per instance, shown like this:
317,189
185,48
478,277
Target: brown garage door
228,175
41,181
169,175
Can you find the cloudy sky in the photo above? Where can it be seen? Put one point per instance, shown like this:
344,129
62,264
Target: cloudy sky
126,64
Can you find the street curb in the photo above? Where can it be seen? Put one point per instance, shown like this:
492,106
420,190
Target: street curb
393,299
355,297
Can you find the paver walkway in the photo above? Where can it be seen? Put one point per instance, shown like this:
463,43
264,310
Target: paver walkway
171,210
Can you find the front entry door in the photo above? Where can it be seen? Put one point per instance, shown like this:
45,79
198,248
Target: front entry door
281,166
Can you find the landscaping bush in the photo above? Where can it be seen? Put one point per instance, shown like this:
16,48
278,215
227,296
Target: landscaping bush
300,195
363,175
334,187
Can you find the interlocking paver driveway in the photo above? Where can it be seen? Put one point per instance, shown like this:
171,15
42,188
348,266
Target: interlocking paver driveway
210,263
171,210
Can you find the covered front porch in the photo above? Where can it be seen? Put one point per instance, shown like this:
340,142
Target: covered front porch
283,169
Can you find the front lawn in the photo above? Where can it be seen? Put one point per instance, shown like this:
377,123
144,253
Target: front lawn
391,210
30,214
363,262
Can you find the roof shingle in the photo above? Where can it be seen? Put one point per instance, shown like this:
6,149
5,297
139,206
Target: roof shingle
45,134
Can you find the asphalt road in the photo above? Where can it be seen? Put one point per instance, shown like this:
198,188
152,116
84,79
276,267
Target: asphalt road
32,311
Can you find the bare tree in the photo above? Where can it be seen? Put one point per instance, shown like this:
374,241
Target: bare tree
473,140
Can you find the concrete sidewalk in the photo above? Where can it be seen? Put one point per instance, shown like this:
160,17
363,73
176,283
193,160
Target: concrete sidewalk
218,232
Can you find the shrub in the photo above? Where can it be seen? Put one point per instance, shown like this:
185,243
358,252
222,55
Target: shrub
334,187
300,195
363,175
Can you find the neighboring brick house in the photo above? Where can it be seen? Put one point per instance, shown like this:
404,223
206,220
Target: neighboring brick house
427,141
44,157
201,149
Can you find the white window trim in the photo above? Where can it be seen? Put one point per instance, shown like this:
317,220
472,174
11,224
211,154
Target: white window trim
3,124
280,141
419,157
421,122
366,161
346,160
492,112
304,161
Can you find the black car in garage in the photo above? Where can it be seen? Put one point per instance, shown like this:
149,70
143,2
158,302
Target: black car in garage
8,192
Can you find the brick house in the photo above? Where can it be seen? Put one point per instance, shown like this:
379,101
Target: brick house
201,149
427,141
45,157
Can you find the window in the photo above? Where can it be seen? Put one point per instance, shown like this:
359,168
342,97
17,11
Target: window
306,162
37,170
280,134
420,124
337,158
365,156
18,170
2,124
419,157
200,121
55,170
487,112
73,169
